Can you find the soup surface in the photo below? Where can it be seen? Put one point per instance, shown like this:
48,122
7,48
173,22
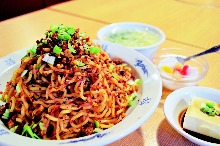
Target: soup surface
133,38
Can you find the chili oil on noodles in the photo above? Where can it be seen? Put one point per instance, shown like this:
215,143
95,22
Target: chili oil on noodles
67,87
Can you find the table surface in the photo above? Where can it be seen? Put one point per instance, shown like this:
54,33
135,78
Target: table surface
192,26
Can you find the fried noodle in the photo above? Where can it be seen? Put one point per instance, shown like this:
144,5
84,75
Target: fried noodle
63,99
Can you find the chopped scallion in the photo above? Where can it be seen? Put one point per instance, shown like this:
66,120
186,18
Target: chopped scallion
42,127
97,130
57,50
131,98
33,50
96,124
6,114
138,82
115,76
13,129
18,88
111,67
210,105
71,30
94,50
5,97
80,64
37,66
27,129
71,48
34,126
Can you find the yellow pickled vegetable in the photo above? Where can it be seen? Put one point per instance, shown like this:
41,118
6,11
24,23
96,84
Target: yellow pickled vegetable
167,69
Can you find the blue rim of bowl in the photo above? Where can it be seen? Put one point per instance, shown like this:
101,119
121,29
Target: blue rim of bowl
162,34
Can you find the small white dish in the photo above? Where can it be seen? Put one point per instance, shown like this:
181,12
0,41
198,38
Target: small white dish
179,100
117,28
148,99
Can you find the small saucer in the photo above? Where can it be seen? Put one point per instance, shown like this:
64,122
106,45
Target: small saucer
179,100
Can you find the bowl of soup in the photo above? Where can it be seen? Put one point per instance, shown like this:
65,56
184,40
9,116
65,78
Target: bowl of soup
141,37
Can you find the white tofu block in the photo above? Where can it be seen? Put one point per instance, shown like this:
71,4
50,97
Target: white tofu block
197,121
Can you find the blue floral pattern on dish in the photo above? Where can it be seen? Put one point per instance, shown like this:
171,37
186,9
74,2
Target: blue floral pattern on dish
3,132
104,47
10,62
145,101
98,135
140,63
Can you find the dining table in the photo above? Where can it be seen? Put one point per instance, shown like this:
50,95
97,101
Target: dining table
190,25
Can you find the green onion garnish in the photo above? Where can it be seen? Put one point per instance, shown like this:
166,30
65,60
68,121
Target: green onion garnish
96,124
80,64
37,66
13,129
33,126
209,109
5,97
97,130
42,127
71,48
138,82
71,31
57,50
94,50
33,50
210,105
111,67
27,129
115,76
131,98
18,88
6,114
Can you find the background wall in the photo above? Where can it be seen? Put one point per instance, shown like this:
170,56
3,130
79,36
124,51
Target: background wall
12,8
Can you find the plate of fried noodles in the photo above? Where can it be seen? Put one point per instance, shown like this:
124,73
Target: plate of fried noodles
70,90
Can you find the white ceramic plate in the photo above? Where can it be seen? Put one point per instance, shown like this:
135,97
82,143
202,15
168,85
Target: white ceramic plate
148,99
180,99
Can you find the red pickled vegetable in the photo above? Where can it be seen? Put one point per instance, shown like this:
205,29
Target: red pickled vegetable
184,70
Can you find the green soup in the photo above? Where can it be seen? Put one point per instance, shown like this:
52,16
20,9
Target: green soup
133,38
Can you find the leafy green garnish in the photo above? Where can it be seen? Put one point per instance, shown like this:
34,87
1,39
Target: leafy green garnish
111,67
71,30
33,126
37,66
94,50
209,109
71,48
57,50
80,64
210,105
18,88
115,76
44,41
5,97
6,114
97,130
13,129
33,50
42,127
138,82
131,98
27,129
64,36
96,124
64,32
54,28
